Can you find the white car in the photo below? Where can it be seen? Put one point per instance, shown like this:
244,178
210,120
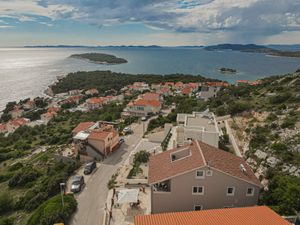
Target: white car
144,118
127,130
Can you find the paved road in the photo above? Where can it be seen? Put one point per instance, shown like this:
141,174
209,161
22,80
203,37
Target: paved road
91,200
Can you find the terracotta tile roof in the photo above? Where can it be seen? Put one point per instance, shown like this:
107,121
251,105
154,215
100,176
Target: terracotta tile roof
2,127
53,109
150,96
186,91
227,163
169,84
218,84
161,167
143,102
82,127
19,122
193,85
49,114
242,81
257,215
179,84
95,100
99,135
92,91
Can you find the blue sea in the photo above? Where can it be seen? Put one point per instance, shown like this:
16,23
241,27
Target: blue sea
26,72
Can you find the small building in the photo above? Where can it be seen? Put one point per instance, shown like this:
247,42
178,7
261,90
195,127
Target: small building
94,141
29,104
3,128
95,103
199,176
92,91
16,113
74,92
142,107
139,86
201,126
256,215
151,96
14,124
187,91
46,117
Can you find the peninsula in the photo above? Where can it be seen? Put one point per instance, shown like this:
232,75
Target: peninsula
253,48
100,58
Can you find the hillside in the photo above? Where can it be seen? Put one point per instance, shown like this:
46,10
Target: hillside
253,48
105,80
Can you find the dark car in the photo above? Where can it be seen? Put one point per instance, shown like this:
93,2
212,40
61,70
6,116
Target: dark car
89,167
121,141
77,184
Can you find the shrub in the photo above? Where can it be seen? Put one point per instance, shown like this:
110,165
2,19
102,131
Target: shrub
22,178
6,202
278,147
141,156
7,221
52,211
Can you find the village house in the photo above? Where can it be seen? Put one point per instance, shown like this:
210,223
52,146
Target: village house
201,126
255,215
142,107
95,103
199,176
92,91
210,90
164,91
29,104
187,91
53,109
139,86
3,128
179,85
151,96
46,117
94,141
156,87
73,99
14,124
74,92
16,113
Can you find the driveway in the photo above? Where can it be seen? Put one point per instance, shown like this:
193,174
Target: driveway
91,201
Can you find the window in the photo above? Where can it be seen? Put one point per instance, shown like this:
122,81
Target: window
230,191
209,173
199,190
250,191
198,207
200,174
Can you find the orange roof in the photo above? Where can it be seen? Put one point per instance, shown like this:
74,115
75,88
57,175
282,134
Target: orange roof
179,84
193,85
186,90
82,127
242,81
256,215
218,84
143,102
161,167
18,122
53,109
95,100
93,91
99,134
49,114
2,127
150,96
164,90
169,83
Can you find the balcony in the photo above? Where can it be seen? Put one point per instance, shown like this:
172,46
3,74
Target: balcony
164,186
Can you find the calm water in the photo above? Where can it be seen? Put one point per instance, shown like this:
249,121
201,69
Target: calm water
26,72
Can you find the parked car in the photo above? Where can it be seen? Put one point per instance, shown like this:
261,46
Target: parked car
144,118
77,184
127,130
121,141
89,167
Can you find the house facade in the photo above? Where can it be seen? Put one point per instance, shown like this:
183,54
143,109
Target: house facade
142,107
199,176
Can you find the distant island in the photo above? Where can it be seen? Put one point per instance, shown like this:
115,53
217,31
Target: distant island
227,70
253,48
100,58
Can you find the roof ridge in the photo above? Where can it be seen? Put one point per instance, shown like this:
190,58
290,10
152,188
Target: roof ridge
201,153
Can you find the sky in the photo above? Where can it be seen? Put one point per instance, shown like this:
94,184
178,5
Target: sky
148,22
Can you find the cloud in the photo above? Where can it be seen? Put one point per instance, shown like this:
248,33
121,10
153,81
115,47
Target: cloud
4,26
238,20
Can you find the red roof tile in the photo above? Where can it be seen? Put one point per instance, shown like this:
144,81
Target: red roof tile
257,215
99,135
82,127
143,102
150,96
161,167
95,100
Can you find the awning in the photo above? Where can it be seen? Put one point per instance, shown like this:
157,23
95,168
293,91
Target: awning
128,196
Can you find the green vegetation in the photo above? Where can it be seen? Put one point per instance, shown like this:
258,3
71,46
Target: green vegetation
161,120
112,182
139,158
284,193
106,80
100,58
52,211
